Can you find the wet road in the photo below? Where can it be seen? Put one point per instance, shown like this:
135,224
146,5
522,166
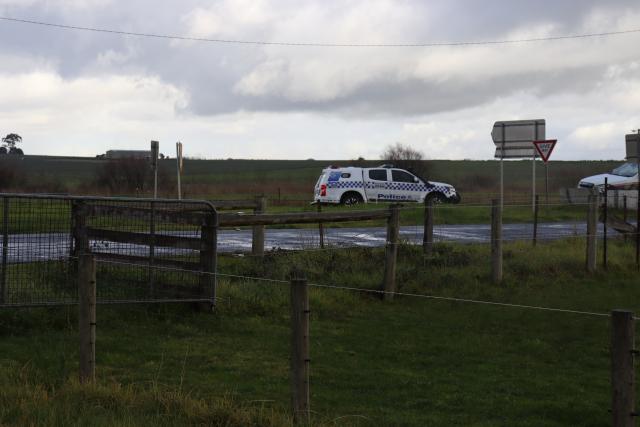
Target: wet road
51,246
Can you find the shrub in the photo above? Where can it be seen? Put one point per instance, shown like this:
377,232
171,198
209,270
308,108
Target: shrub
131,176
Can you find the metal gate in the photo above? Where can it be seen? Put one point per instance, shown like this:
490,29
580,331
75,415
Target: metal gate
147,250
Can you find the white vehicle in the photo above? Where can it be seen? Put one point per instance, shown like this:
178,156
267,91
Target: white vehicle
353,185
623,177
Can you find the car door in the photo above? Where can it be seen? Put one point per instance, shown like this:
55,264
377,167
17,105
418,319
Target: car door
377,184
405,186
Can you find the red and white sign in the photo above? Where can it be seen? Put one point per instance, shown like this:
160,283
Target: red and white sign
544,148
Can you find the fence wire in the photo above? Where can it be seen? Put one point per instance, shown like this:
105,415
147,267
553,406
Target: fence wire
42,237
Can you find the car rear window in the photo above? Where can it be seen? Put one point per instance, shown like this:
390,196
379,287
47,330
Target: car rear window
401,176
378,174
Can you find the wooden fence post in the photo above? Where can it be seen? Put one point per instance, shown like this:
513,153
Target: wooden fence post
87,316
427,236
151,273
321,228
79,231
300,348
391,252
592,233
535,219
496,241
4,288
257,244
209,259
624,214
622,369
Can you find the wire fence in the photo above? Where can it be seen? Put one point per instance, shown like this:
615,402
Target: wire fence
42,236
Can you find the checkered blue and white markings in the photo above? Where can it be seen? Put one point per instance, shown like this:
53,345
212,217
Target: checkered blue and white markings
345,184
408,186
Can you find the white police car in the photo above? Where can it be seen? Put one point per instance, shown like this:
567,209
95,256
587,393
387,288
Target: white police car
353,185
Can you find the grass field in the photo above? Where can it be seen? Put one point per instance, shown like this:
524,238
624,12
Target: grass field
289,187
294,179
413,362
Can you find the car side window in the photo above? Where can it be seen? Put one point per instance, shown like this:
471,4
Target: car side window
378,174
402,176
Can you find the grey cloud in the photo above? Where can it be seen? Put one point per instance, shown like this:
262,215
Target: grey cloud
209,72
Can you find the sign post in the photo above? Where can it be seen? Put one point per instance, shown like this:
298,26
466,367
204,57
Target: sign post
179,167
513,140
155,148
544,149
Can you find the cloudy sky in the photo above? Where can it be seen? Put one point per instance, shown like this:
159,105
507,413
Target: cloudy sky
81,93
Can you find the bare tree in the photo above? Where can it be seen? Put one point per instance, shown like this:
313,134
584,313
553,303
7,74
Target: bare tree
405,157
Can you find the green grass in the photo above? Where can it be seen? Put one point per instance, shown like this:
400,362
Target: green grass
293,180
411,362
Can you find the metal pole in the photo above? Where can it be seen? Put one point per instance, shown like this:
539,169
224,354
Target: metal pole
533,175
604,220
502,169
638,205
592,230
546,182
496,242
535,221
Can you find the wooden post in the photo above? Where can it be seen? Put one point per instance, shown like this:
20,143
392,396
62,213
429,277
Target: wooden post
535,220
321,228
300,349
4,288
209,259
152,250
87,317
79,231
624,213
257,244
496,241
391,252
427,235
622,369
592,230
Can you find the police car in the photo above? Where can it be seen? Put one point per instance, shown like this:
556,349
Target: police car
353,185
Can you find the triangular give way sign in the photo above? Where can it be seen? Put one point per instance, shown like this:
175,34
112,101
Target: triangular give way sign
544,148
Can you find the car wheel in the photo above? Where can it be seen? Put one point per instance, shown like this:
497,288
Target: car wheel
351,199
436,199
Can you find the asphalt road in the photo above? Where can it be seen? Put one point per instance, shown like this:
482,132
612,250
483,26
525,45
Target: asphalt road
51,246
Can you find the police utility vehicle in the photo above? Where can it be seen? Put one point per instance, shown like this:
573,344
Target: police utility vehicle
353,185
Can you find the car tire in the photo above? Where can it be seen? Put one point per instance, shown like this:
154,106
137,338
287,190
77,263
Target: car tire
436,199
351,198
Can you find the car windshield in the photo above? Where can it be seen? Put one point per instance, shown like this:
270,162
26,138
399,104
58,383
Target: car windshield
627,169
